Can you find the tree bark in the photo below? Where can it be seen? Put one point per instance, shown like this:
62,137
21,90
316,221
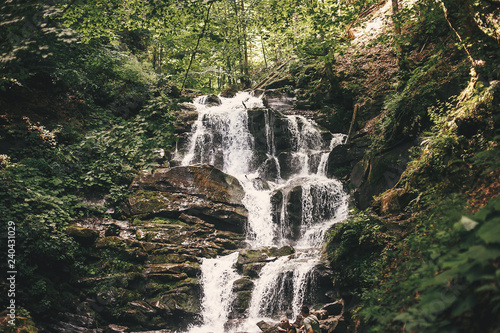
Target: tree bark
395,11
263,50
197,44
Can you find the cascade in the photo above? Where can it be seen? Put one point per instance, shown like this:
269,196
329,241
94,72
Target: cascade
281,165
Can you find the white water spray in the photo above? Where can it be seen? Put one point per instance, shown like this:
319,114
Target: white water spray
217,280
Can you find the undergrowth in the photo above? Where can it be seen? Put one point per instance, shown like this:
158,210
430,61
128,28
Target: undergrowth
56,174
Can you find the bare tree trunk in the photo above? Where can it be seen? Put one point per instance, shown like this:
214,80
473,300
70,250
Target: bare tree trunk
154,57
159,60
263,50
395,11
197,44
246,75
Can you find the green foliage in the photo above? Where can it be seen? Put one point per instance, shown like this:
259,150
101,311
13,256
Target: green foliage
438,271
104,77
355,245
408,107
467,279
113,156
52,175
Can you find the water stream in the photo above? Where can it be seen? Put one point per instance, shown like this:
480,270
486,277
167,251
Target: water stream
281,163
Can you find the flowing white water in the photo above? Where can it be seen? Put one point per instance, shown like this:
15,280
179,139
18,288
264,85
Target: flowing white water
310,204
218,275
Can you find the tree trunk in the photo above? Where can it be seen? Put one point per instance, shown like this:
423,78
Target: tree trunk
159,60
197,44
395,11
246,75
263,50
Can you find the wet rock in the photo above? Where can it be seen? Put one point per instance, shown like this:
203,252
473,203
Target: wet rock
201,191
359,172
288,164
229,92
292,195
276,202
185,301
342,159
250,262
251,256
372,176
122,247
212,100
191,270
335,308
282,251
200,180
329,325
185,119
269,169
266,327
112,328
134,317
253,269
242,301
269,127
243,284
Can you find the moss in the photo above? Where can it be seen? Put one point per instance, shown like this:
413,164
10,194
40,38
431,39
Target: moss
283,251
111,242
166,220
137,222
243,284
81,234
242,301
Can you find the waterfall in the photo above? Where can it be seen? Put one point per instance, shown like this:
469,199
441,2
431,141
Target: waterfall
218,277
281,164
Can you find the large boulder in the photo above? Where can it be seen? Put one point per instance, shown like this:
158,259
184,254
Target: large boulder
201,191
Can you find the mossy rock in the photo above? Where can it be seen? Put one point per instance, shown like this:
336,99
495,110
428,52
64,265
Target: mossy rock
184,299
170,258
280,252
114,242
134,317
190,269
242,301
243,284
229,244
252,270
82,235
229,92
251,256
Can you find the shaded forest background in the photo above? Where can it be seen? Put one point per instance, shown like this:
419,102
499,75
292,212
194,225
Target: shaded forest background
90,92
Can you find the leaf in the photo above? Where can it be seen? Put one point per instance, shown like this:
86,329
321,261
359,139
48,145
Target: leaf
490,231
464,305
487,287
482,254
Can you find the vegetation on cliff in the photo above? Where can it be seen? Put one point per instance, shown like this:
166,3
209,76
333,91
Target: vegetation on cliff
424,255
